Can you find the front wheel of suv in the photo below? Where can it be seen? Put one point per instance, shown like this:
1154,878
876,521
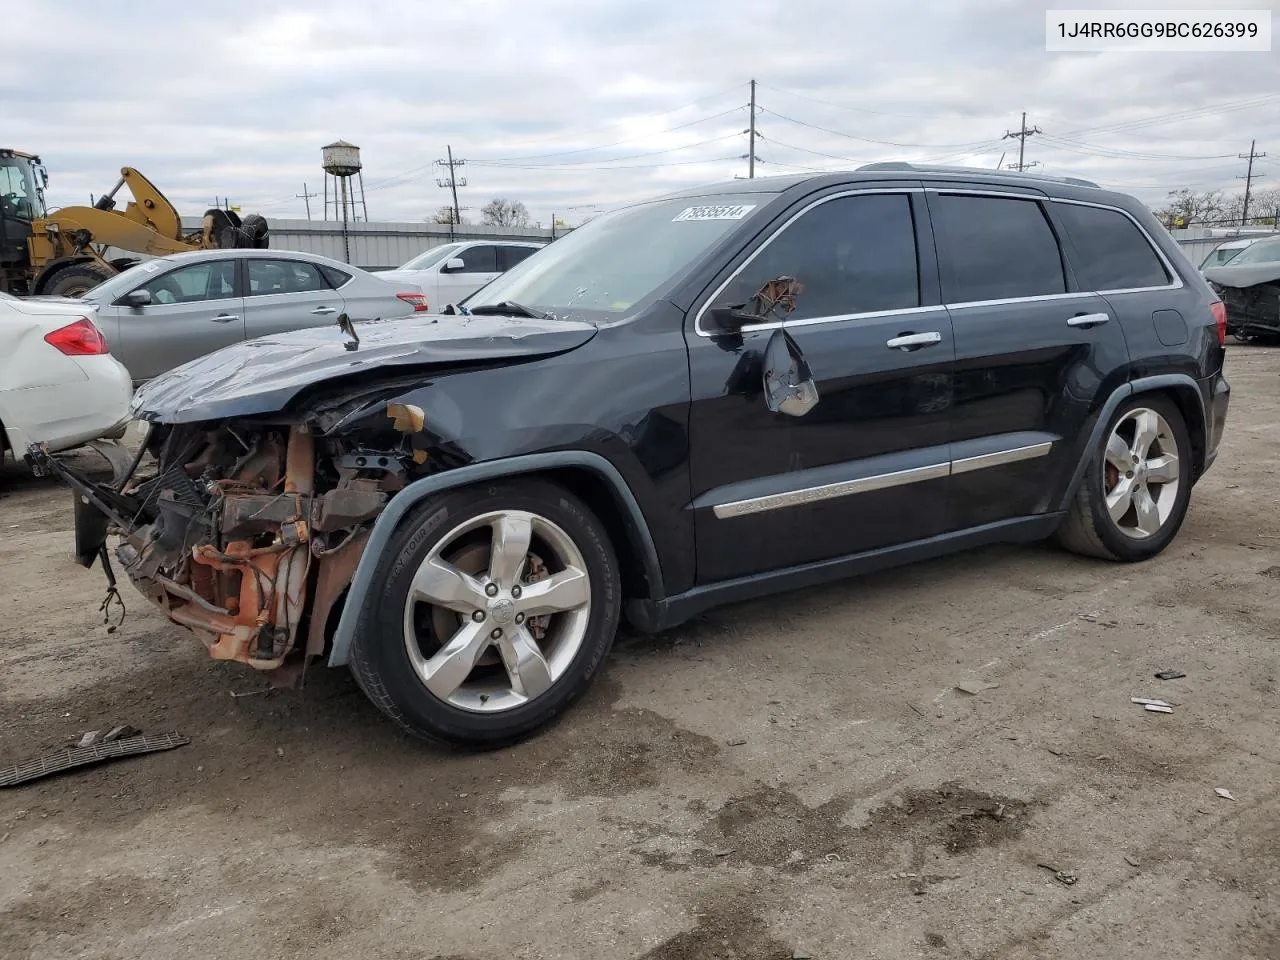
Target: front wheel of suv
493,607
1137,485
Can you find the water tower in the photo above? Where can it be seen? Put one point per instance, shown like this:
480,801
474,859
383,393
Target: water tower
341,162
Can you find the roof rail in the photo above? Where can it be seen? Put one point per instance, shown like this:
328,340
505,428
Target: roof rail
902,166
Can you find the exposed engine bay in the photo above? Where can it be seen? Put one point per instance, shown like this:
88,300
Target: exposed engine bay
1253,312
249,532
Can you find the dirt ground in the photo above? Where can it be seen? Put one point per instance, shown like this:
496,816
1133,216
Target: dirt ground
788,777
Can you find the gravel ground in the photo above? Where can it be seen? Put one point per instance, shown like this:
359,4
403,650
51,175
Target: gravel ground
790,777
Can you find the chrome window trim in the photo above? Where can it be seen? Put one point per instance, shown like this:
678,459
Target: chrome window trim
1175,284
882,481
1036,197
873,191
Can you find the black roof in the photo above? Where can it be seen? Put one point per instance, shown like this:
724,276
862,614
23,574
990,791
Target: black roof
1066,187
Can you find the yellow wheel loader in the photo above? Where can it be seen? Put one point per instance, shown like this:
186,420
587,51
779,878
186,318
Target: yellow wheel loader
63,252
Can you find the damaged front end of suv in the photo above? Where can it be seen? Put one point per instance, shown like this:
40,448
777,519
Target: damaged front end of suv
269,464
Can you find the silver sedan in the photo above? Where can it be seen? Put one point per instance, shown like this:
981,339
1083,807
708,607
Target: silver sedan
166,311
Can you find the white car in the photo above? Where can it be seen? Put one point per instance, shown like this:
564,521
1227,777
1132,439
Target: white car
456,270
59,384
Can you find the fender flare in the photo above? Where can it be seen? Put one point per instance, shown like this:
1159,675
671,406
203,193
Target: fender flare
1163,381
389,521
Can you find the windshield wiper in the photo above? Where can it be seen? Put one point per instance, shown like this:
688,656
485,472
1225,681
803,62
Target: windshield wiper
508,308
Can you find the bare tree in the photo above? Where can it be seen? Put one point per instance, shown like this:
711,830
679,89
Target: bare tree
443,215
1183,208
501,212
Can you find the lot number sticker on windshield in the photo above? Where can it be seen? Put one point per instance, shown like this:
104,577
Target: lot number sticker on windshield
731,212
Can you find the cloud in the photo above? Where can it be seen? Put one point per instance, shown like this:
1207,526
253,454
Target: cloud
571,106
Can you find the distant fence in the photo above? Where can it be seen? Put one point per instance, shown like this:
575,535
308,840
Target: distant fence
1196,242
380,245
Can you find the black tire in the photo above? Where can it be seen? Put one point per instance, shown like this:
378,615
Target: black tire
1089,529
75,280
380,662
224,228
254,232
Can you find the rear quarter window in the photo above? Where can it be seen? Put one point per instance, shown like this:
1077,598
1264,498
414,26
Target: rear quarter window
333,276
1109,252
995,248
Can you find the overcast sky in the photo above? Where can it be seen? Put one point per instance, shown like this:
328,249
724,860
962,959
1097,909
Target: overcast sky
570,106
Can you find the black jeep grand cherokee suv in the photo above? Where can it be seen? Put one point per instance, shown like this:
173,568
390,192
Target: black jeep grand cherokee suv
707,397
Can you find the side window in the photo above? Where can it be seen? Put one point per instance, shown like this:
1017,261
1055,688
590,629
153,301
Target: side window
334,277
480,260
993,248
851,255
283,276
1109,251
211,280
513,255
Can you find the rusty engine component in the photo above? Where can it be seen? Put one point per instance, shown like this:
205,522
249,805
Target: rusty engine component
248,537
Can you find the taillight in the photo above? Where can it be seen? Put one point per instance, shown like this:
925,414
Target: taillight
1219,311
79,339
418,300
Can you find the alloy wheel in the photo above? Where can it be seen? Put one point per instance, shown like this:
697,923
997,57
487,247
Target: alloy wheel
1142,473
497,611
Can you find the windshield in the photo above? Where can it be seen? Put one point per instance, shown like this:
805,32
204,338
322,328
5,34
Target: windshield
122,283
614,262
1225,253
433,256
20,196
1264,251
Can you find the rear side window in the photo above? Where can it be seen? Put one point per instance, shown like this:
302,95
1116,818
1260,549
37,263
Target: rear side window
283,276
513,255
993,248
480,260
851,255
1109,251
333,276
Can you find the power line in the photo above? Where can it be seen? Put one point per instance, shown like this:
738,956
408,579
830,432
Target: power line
306,198
1249,177
850,136
606,146
578,163
452,182
862,110
1021,134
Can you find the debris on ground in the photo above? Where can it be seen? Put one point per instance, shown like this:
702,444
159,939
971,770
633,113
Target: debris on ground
1170,675
1131,862
974,687
1062,876
735,742
1223,793
95,752
1158,708
801,954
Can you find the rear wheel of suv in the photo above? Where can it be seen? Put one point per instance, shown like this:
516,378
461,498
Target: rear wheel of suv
1136,488
495,606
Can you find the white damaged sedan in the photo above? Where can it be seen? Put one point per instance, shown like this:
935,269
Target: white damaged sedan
59,384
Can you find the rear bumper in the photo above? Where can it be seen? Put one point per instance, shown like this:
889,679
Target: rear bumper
1217,396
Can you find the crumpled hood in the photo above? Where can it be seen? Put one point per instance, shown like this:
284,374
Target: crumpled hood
1245,275
263,375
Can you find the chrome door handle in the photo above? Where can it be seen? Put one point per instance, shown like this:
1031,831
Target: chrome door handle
225,318
323,311
1088,320
909,340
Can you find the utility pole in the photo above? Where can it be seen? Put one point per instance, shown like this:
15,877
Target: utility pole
306,198
751,130
1248,178
1021,136
453,182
